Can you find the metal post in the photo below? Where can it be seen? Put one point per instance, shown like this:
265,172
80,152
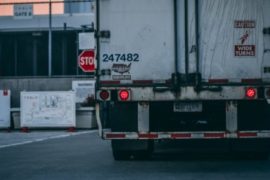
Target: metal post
16,57
186,40
97,40
35,57
231,116
50,40
77,52
1,58
176,37
143,117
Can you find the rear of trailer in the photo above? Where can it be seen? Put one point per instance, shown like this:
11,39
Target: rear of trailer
183,70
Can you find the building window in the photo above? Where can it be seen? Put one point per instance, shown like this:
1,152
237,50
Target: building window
26,54
24,41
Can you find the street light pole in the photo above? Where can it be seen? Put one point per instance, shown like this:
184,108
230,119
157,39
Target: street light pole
50,40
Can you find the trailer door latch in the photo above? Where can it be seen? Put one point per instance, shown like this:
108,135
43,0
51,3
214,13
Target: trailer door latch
103,34
105,72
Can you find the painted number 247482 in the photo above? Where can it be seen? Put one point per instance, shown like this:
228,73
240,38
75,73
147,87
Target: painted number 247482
121,57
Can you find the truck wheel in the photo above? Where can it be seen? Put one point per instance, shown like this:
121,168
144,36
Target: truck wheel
131,152
260,155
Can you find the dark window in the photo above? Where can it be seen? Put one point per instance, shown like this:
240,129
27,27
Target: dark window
42,55
26,53
25,56
7,56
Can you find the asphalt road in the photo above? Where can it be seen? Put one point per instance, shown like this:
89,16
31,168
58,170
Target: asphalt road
86,156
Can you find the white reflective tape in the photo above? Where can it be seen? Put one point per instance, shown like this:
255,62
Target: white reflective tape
126,82
132,136
231,135
164,136
264,134
197,135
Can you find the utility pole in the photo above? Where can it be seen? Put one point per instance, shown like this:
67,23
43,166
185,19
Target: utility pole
50,41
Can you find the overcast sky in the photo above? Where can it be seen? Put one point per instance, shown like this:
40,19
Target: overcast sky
7,10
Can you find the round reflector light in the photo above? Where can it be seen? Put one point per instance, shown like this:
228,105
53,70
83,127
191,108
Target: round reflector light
123,95
104,95
250,93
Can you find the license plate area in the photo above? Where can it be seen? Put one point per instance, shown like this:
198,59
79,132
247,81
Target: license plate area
187,107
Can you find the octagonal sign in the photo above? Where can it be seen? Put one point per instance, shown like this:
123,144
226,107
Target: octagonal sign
87,61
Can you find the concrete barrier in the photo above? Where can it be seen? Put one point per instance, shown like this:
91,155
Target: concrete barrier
85,118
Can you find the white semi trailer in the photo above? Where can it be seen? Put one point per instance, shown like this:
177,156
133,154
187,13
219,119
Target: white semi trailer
183,70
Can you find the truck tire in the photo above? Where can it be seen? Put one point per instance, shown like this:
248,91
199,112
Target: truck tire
122,151
260,155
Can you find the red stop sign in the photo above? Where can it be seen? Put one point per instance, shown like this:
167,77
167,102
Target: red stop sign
87,61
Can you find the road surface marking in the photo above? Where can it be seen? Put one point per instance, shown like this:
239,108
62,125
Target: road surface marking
48,138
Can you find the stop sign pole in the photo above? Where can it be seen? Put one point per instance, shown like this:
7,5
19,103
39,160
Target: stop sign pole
86,61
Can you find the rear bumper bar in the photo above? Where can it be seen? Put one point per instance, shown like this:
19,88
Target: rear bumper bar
186,135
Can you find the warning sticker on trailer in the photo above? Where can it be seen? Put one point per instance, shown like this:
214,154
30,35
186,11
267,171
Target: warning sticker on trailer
244,24
244,38
245,50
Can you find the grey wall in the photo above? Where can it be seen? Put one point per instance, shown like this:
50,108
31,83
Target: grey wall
35,84
42,22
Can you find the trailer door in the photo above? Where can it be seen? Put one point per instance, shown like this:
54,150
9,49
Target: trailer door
232,43
137,40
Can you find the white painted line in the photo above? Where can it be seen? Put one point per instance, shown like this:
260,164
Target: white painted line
48,138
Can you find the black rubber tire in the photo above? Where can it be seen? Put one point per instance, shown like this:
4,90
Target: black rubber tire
260,155
121,155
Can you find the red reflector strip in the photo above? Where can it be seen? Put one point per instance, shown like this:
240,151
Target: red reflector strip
214,135
115,136
247,134
109,82
148,136
186,135
180,135
251,81
218,81
142,82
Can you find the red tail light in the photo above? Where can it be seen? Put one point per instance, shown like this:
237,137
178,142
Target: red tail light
251,93
124,95
104,95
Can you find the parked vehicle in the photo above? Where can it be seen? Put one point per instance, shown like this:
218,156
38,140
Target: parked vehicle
183,70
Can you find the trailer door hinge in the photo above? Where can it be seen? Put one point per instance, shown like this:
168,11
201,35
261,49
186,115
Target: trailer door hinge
103,34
